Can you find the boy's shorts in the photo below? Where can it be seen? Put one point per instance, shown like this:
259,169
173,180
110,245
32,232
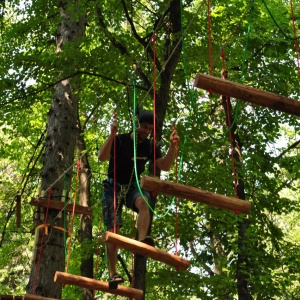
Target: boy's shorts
108,201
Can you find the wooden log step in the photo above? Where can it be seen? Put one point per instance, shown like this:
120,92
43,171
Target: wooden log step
11,297
59,205
145,250
247,93
195,194
36,297
85,282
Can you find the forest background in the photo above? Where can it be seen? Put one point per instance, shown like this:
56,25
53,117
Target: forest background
105,53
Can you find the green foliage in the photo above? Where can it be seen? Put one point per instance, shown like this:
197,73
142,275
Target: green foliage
101,63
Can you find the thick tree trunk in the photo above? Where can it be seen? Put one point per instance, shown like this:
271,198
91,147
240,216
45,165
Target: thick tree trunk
57,169
57,174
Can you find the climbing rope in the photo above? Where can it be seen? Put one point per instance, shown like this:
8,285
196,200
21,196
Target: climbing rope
230,126
115,173
154,104
209,39
275,22
295,39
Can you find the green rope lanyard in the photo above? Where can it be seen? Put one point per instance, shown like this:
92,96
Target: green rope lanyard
287,36
134,153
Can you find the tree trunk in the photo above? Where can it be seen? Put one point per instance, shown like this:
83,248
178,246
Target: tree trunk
242,261
57,170
57,174
85,220
172,55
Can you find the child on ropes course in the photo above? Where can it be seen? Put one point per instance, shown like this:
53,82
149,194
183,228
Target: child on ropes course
127,190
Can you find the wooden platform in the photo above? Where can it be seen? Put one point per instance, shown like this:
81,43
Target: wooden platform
59,205
247,93
145,250
84,282
195,194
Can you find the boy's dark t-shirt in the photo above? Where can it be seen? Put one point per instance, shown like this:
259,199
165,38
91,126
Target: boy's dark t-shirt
125,158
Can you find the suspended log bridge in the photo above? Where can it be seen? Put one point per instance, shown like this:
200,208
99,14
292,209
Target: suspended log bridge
195,194
247,93
145,250
59,205
36,297
88,283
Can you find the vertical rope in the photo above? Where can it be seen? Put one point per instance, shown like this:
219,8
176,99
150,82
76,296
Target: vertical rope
100,227
100,224
115,174
177,202
42,241
231,146
229,126
154,103
295,38
98,247
132,254
209,39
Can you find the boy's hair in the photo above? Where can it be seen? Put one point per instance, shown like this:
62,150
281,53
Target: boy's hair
145,116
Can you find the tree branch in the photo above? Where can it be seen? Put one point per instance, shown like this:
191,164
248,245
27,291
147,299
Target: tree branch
294,145
116,43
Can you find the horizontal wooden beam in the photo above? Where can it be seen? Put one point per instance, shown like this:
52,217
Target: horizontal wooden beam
88,283
247,93
36,297
11,297
145,250
59,205
195,194
25,297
